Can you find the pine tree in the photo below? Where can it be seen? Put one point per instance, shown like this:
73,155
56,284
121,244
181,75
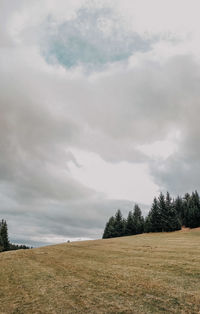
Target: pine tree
169,216
179,207
154,219
119,224
163,208
138,220
129,224
186,200
174,221
193,211
124,226
109,230
4,236
1,241
196,201
148,224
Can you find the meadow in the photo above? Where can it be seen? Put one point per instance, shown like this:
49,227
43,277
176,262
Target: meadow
147,273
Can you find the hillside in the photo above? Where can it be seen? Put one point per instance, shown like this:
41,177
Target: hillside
148,273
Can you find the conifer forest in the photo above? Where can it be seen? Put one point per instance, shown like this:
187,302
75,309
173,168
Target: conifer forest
166,214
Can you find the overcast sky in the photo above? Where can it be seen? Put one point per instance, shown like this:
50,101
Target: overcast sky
99,109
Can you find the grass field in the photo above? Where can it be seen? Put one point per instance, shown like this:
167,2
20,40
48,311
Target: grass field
149,273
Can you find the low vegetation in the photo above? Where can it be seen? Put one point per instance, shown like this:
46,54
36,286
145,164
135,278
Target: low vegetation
146,273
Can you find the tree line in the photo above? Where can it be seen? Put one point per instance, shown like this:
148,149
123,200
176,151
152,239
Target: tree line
5,244
166,214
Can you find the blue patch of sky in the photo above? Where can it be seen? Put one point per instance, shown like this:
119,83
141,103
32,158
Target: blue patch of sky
94,38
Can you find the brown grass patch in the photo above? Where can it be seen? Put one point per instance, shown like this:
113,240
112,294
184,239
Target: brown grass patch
149,273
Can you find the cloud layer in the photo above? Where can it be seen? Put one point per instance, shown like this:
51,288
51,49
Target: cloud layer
88,78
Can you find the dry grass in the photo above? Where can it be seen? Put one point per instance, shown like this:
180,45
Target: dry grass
149,273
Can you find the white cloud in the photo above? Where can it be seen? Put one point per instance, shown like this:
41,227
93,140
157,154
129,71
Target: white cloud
119,122
117,181
162,149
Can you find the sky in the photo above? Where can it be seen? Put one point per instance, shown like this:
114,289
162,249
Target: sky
99,110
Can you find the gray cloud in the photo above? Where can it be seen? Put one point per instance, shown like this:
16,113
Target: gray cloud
46,111
180,172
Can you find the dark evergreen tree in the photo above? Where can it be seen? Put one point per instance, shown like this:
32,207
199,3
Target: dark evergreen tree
109,231
13,247
174,222
196,201
1,242
163,209
129,224
179,207
193,211
124,226
185,200
148,224
187,196
169,216
119,224
154,219
138,220
4,242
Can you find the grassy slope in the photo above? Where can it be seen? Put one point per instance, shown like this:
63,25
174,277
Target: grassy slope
149,273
